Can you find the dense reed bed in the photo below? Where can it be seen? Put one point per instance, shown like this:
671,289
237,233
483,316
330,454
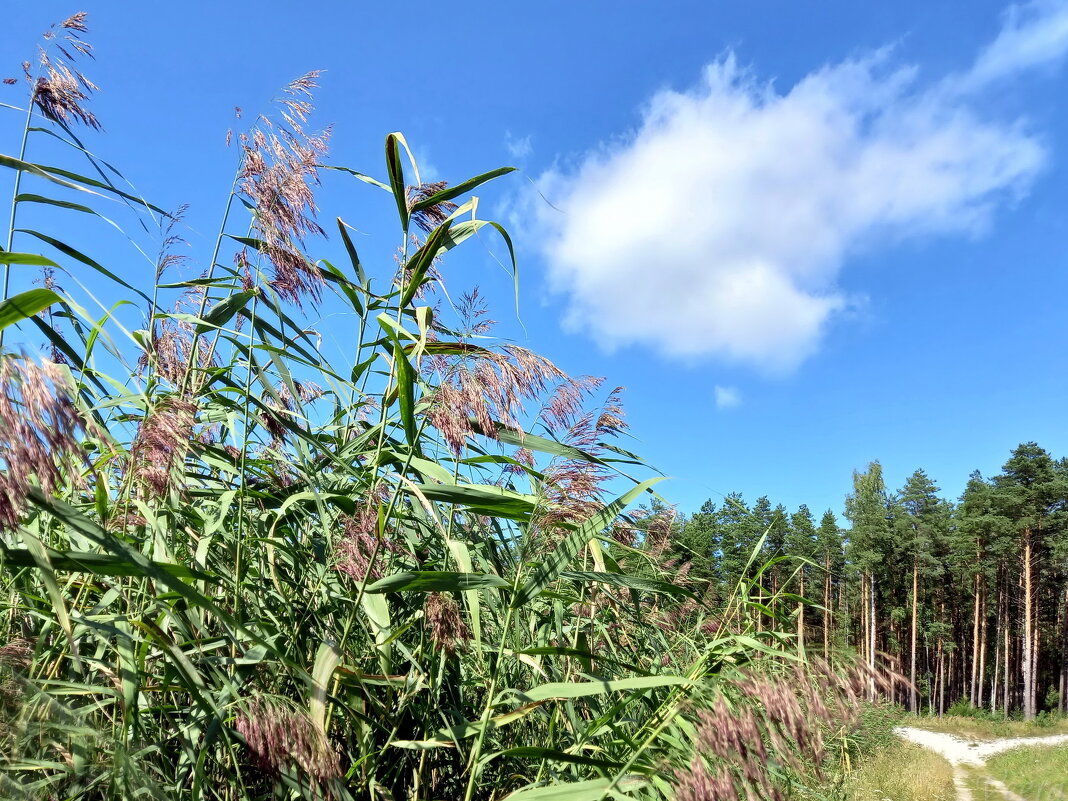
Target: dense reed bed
235,569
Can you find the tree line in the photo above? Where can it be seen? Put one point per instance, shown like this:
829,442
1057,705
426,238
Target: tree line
966,599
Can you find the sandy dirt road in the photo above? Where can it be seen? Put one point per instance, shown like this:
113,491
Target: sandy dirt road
962,751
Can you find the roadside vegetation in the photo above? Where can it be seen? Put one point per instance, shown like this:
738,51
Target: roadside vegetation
901,772
1031,768
1040,772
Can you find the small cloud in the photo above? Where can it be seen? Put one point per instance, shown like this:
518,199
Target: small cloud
727,397
518,148
720,225
428,170
1033,35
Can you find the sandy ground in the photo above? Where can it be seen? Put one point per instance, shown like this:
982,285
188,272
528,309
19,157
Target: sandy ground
963,751
960,751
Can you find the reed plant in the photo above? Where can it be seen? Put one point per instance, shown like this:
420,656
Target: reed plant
235,568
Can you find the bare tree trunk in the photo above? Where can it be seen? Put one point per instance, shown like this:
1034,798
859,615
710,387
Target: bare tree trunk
871,641
973,689
984,626
1062,705
941,678
913,698
801,615
1000,624
931,694
997,661
827,613
1028,632
862,634
951,682
760,601
1008,654
1034,667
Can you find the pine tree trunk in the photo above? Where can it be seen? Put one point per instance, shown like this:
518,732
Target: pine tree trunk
913,698
984,626
1000,622
827,613
758,617
862,634
1062,705
871,640
931,695
1034,668
1008,654
1028,632
941,678
951,671
997,660
973,689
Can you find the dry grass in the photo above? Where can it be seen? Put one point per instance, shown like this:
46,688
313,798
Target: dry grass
902,772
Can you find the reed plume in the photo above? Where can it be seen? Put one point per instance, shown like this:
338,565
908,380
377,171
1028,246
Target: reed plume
280,736
61,91
279,170
447,628
432,216
159,450
39,428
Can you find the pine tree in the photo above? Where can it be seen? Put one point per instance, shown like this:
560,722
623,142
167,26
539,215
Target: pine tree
737,536
924,519
829,547
800,542
866,508
696,542
1032,493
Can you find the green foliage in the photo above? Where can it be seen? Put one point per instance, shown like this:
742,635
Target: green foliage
901,772
1040,772
272,572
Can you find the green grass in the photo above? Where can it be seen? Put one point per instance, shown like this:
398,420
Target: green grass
988,729
1035,773
901,772
981,790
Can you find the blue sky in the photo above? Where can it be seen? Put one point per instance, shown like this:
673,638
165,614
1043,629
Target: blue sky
803,235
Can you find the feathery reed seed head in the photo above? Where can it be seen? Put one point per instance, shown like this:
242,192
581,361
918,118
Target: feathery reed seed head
39,428
61,91
281,736
482,388
16,654
159,449
764,719
448,630
432,216
279,169
355,551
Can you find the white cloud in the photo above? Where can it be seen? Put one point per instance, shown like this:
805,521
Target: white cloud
727,397
518,148
1033,35
428,170
719,226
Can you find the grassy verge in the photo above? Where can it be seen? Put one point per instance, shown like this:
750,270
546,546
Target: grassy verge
1040,773
980,789
901,772
988,728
